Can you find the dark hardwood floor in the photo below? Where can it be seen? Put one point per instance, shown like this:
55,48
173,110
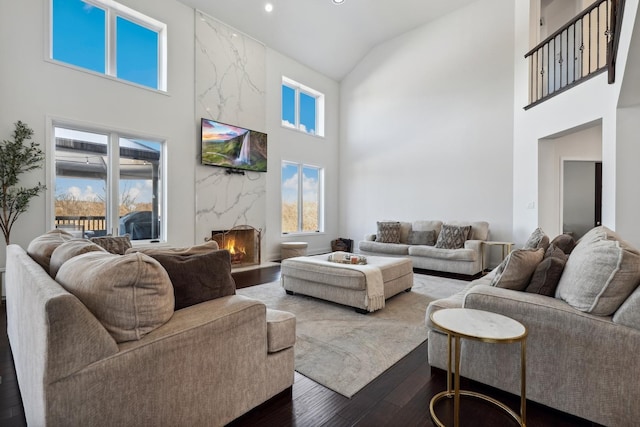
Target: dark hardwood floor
399,397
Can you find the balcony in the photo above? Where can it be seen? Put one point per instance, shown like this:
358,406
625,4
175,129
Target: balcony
581,49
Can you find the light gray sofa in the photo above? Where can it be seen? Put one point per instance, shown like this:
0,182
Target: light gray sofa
466,260
579,362
205,366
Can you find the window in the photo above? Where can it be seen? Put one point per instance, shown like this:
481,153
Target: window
302,108
108,183
109,38
301,198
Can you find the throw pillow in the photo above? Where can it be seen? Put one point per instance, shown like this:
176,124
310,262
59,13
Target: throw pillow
131,295
422,238
452,236
68,250
564,242
537,239
601,272
388,232
114,244
547,274
41,248
198,277
517,269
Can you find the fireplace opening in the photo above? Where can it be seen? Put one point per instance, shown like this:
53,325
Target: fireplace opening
242,242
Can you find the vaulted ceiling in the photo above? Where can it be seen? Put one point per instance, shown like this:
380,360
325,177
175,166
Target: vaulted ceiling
326,37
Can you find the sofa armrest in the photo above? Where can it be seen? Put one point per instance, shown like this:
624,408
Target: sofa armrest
370,237
476,245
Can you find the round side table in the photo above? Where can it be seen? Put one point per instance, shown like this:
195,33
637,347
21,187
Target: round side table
483,326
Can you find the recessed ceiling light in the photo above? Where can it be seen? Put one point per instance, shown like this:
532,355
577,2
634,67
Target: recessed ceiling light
337,1
268,7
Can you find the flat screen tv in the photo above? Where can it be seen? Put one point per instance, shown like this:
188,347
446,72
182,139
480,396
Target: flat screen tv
233,147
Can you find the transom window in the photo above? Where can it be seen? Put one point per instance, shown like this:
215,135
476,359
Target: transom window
302,108
108,183
111,39
301,198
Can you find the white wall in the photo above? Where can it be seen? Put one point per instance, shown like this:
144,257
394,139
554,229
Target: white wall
589,102
35,90
427,125
291,145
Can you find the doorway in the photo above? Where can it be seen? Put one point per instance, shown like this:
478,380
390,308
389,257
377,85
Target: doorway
581,196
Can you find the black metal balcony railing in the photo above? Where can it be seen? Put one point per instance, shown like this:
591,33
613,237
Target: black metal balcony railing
581,49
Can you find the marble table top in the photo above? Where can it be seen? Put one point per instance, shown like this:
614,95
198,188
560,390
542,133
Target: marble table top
479,325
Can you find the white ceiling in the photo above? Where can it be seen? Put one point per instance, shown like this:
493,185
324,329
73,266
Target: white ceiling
328,38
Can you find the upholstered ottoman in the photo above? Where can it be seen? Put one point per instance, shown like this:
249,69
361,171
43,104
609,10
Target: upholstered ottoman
348,284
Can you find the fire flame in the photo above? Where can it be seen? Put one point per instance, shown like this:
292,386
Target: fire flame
237,251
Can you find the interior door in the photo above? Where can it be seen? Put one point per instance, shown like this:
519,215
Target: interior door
581,196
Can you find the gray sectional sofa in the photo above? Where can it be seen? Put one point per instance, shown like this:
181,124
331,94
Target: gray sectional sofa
466,260
584,339
126,358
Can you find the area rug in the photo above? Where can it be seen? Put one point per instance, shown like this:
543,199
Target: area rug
344,350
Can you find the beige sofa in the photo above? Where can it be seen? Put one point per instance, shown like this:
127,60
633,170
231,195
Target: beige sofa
466,260
206,365
583,361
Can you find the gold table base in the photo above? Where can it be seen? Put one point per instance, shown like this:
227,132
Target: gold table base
481,396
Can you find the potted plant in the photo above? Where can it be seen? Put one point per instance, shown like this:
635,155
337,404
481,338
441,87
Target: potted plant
16,158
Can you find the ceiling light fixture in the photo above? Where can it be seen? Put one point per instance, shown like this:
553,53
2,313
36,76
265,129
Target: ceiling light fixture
268,7
337,1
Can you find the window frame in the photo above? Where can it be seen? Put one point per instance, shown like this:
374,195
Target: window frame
300,198
113,10
298,89
113,177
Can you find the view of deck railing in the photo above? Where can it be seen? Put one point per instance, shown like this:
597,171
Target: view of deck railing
581,49
84,223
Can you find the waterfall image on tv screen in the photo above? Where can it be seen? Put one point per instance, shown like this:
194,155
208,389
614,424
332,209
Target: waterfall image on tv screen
233,147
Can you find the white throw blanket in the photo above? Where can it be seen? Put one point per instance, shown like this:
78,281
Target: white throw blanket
374,298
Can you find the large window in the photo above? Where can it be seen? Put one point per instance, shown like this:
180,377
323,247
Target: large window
301,198
302,108
109,38
108,183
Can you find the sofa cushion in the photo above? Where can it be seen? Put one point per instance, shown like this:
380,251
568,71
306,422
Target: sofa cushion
452,236
537,239
281,330
517,268
131,295
426,225
198,277
405,229
600,274
384,248
68,250
41,248
422,238
565,242
448,254
113,244
629,312
388,232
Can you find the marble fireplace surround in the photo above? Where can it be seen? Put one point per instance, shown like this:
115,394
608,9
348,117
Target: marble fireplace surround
230,75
